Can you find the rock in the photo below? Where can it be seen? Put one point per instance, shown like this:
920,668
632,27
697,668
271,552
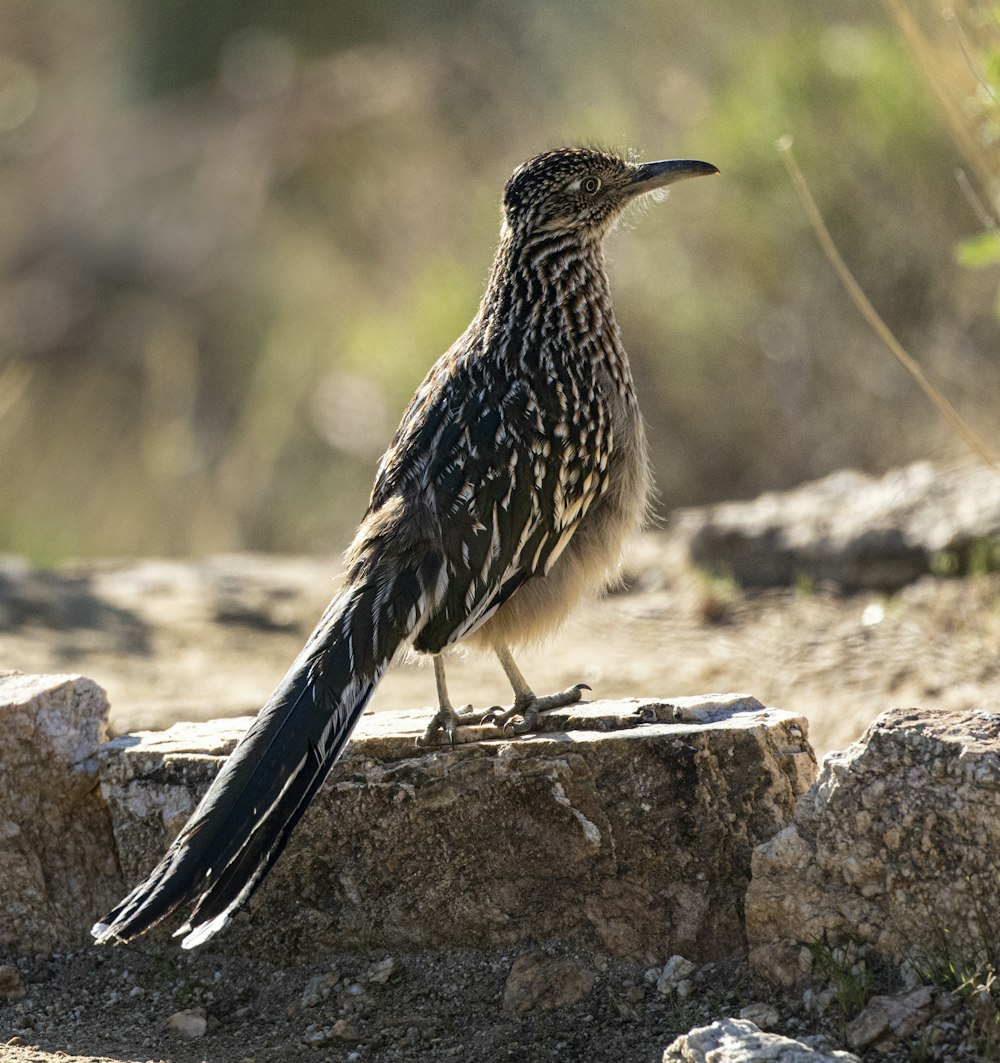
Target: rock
344,1031
892,852
11,987
625,826
817,1001
538,980
189,1024
760,1014
57,852
675,971
740,1041
850,529
380,973
318,988
891,1018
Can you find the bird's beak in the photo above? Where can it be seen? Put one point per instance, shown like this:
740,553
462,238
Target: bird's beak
650,175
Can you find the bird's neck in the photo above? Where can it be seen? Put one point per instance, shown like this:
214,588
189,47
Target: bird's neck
551,293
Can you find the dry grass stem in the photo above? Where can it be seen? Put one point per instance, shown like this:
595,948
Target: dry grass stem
969,436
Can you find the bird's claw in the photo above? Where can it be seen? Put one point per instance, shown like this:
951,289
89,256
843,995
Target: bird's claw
530,708
447,720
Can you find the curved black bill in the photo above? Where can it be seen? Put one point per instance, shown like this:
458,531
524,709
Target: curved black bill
650,175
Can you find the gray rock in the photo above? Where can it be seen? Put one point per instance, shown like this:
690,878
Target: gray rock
379,973
892,852
675,971
189,1024
342,1030
57,853
318,988
543,982
619,826
851,529
891,1018
761,1014
740,1041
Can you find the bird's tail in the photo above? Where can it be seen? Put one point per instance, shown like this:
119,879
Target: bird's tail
244,820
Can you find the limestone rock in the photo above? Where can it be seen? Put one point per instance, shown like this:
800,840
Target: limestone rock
540,981
57,852
626,826
740,1041
853,530
893,851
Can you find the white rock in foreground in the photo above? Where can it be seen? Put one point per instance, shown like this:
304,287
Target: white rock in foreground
740,1041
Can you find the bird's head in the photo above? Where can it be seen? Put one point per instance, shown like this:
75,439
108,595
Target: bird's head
582,191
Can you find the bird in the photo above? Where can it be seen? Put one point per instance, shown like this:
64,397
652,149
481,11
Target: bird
516,475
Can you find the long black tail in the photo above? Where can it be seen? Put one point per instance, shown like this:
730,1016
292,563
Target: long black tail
244,820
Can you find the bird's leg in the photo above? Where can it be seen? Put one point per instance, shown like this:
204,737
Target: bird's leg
447,718
527,704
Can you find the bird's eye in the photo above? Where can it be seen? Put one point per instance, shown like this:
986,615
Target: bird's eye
590,185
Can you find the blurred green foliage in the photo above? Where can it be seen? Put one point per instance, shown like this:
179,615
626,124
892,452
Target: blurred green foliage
238,233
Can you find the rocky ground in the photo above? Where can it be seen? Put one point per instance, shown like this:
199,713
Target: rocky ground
145,1003
176,641
448,1004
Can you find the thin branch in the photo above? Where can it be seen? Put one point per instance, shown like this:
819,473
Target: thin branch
986,219
870,314
958,31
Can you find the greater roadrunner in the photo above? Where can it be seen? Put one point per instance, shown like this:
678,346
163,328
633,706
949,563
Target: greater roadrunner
517,473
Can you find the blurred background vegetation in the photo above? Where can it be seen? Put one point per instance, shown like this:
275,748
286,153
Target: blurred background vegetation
236,233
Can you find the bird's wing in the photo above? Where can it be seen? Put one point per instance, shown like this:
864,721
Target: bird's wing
506,479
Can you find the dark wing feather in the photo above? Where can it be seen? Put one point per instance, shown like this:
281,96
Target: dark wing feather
501,478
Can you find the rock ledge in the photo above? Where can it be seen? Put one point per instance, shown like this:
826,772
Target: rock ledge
627,826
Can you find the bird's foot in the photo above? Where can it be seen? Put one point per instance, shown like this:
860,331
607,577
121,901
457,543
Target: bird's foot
529,707
448,720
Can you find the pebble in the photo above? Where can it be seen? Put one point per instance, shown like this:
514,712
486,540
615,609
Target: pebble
763,1015
318,988
316,1035
189,1024
345,1031
676,970
380,973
